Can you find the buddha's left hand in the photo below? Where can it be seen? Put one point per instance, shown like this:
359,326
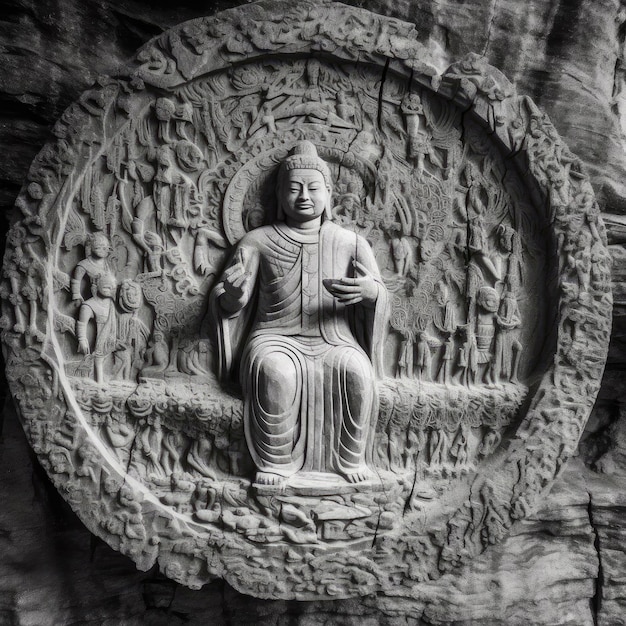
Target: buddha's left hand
362,288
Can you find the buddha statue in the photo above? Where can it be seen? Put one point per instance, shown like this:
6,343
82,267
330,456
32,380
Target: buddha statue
301,313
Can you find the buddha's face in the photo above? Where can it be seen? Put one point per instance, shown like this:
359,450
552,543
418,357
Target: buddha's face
304,195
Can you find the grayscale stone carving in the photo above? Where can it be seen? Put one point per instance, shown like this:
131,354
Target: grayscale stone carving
229,370
309,383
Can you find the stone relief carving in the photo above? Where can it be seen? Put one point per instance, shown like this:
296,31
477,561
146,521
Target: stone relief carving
289,306
308,382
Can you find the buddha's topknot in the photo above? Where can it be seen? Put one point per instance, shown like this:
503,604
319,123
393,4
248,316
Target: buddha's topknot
304,156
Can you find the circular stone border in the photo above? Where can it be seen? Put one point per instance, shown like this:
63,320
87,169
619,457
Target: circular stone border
511,483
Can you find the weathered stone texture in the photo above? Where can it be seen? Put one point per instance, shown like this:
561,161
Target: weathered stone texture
54,572
564,566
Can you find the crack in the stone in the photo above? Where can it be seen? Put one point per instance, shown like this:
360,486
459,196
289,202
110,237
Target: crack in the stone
131,450
492,19
379,116
596,601
409,500
226,612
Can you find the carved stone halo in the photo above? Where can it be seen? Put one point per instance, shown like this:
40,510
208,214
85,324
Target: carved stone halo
480,221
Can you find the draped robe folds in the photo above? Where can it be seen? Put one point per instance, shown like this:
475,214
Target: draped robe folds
309,363
106,328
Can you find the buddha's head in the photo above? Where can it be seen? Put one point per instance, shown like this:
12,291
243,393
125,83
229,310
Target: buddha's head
304,185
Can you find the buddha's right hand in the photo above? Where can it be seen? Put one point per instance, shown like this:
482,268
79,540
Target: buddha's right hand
235,281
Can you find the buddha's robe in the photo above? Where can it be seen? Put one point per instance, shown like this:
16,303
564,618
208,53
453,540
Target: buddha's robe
307,363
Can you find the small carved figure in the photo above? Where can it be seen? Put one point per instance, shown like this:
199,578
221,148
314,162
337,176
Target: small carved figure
345,110
411,107
153,247
157,356
438,446
403,256
132,332
460,447
172,444
468,361
14,297
119,434
150,446
396,449
200,455
139,218
487,301
509,241
431,244
191,359
347,210
474,199
490,442
101,308
96,263
477,245
88,462
172,191
425,344
477,236
445,318
599,257
169,114
307,370
415,444
419,138
67,437
360,224
444,375
508,348
582,261
32,292
267,119
405,358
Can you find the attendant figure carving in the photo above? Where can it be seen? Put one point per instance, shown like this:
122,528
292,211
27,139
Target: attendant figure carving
402,253
302,301
405,358
101,308
488,302
95,263
508,348
425,344
132,332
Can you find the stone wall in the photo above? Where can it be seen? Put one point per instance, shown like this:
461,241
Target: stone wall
564,565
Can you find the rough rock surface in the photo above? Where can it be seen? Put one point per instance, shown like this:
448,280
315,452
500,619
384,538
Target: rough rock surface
565,565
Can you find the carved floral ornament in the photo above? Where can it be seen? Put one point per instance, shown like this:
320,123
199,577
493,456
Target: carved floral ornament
458,257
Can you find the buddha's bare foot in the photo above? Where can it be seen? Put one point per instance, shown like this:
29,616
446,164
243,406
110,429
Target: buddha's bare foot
268,478
358,475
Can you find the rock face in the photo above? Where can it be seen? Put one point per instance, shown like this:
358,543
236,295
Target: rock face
561,566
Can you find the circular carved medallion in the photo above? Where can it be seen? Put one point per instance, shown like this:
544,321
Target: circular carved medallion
306,416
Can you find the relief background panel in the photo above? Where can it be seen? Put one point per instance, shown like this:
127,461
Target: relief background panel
563,565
